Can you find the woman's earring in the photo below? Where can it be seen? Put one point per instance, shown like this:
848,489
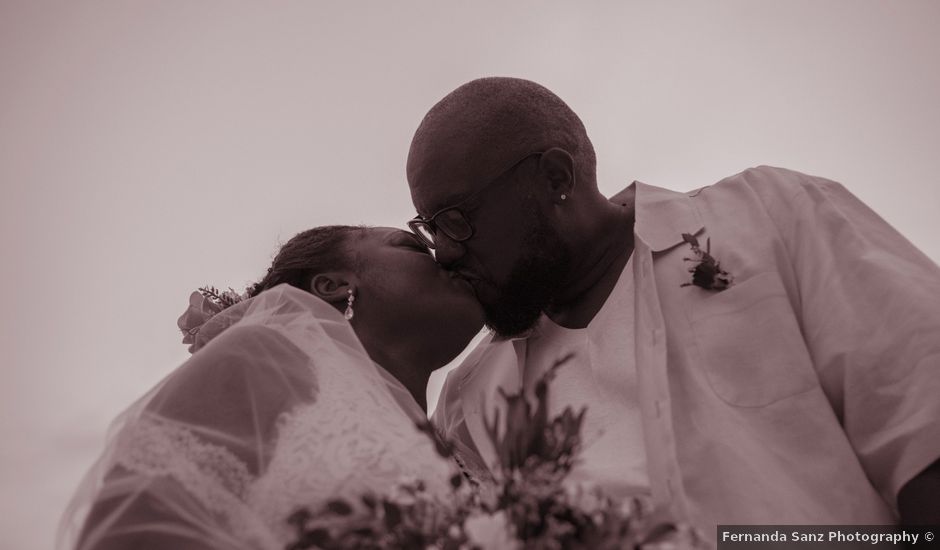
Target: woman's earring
348,314
564,196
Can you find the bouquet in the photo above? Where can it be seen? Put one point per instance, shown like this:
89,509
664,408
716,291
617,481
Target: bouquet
528,506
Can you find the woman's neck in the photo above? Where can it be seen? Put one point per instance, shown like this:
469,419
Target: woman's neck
408,363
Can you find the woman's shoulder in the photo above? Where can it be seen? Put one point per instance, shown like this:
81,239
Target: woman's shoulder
246,376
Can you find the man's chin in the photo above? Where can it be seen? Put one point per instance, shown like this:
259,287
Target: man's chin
511,323
513,308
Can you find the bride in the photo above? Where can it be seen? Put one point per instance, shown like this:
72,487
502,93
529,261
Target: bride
307,390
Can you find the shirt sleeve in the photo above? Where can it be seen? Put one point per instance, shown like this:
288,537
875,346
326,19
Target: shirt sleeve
870,316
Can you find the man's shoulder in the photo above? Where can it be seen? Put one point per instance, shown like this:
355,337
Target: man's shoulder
763,178
771,183
780,192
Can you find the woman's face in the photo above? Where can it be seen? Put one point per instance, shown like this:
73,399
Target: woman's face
402,288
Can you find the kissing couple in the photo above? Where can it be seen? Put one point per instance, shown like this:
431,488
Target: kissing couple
763,350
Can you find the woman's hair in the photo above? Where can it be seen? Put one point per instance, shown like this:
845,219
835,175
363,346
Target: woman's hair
307,253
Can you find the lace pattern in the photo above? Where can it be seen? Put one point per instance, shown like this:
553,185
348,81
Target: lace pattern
209,472
354,439
157,447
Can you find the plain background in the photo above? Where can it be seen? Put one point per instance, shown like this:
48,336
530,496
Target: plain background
147,148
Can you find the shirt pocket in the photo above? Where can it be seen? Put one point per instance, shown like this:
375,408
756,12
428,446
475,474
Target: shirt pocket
751,343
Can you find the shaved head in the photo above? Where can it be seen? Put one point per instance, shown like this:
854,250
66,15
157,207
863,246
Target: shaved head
484,127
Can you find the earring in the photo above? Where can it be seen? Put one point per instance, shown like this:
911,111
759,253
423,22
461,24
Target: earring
564,196
348,314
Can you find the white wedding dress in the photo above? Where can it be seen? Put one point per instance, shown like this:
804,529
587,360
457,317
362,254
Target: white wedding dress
279,407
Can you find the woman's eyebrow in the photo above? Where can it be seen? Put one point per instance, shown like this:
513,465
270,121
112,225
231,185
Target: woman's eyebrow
413,240
394,236
407,235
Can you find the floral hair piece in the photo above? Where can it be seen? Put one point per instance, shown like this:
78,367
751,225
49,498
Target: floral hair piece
204,304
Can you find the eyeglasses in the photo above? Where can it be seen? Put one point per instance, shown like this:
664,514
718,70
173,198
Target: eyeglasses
452,221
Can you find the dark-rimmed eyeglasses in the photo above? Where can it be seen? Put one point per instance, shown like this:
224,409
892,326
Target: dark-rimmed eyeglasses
451,220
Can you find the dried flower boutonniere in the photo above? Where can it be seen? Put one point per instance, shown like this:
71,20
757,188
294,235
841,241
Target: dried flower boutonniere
707,272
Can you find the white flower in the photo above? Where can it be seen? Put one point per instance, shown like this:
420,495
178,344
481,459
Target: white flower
585,496
200,310
408,491
491,532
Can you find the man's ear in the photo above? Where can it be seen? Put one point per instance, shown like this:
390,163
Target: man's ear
332,287
557,166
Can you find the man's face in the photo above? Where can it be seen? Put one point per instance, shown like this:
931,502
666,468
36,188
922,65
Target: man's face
534,279
515,258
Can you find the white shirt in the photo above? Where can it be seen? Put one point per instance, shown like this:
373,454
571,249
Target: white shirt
602,377
811,383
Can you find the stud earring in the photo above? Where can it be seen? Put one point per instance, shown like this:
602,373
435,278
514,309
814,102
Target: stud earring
348,314
564,196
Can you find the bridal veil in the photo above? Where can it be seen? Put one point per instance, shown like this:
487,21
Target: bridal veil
279,407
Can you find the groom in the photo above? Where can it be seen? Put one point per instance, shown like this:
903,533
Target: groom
765,350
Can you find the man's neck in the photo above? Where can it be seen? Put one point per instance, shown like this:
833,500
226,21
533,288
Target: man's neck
607,246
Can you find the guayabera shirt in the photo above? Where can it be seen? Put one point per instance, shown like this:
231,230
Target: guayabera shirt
806,393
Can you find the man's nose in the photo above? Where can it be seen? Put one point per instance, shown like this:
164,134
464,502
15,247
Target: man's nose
447,251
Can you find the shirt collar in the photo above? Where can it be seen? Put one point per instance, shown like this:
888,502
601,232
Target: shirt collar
662,216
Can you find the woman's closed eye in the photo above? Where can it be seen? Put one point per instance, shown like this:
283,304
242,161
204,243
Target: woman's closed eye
414,244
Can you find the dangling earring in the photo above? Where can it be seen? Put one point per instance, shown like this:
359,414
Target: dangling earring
348,314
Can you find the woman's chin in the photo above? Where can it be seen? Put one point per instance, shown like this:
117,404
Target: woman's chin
463,322
465,300
464,285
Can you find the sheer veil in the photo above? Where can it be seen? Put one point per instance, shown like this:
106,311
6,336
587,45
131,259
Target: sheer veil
279,407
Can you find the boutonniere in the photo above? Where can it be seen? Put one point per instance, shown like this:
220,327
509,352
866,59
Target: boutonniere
706,272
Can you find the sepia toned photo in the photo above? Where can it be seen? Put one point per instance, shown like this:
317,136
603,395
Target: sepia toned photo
547,275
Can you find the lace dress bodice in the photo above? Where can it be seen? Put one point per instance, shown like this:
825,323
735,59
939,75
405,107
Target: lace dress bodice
351,440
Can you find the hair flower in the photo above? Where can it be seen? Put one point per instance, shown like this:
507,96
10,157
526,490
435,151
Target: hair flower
707,272
204,304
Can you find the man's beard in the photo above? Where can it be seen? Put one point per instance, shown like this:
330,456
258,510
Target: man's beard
532,284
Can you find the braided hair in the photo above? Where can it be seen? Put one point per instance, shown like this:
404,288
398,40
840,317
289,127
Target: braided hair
309,252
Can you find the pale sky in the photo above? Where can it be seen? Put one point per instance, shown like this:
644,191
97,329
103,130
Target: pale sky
148,148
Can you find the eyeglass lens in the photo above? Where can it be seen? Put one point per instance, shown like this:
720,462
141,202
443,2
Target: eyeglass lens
454,224
424,231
